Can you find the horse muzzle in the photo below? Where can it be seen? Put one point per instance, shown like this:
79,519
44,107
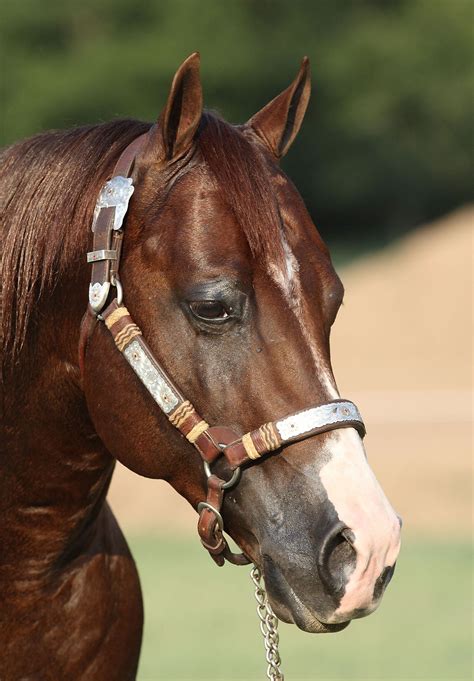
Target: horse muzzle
343,581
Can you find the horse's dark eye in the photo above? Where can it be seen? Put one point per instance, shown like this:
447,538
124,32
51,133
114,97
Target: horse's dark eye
209,309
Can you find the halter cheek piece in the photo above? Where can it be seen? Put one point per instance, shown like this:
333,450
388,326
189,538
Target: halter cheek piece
210,441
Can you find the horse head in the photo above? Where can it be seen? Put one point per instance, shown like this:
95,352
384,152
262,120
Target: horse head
233,288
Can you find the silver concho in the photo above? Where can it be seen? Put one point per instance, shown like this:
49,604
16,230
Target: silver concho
98,295
115,193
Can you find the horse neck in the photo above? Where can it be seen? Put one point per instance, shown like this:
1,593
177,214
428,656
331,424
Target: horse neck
57,470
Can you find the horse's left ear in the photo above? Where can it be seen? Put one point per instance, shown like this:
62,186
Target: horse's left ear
180,118
278,123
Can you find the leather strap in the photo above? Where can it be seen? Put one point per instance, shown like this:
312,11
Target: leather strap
109,214
127,158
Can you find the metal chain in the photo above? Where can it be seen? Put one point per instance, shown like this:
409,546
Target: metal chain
268,627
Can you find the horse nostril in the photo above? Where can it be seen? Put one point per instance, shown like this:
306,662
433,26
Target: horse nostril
382,581
337,558
400,520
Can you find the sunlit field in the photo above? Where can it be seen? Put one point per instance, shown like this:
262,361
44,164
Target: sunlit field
200,621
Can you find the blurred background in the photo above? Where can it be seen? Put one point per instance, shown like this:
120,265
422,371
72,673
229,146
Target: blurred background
384,163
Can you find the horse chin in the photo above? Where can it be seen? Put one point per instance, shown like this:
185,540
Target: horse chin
289,607
299,614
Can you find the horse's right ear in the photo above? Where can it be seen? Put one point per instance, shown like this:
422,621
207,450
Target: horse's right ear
179,120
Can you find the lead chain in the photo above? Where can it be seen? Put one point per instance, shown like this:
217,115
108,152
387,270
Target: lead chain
268,627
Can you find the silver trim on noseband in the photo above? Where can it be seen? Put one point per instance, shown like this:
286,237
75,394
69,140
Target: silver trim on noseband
296,425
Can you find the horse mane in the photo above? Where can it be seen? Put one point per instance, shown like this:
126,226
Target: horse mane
49,185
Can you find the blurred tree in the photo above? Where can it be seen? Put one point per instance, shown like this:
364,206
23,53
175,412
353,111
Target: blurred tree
388,138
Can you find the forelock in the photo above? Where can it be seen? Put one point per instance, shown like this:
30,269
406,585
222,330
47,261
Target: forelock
242,173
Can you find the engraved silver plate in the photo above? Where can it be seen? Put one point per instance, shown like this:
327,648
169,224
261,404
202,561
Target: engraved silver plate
151,378
317,417
116,194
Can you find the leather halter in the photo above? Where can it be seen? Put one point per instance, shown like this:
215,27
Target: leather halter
211,442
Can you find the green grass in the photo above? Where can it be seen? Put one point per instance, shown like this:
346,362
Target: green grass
200,621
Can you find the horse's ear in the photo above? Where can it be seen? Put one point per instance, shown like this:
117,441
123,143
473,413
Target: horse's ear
278,123
180,118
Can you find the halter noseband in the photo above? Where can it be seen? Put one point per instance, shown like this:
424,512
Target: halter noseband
210,441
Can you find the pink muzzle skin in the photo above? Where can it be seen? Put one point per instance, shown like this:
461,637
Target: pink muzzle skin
361,506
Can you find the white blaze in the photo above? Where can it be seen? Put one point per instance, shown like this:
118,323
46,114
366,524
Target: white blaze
350,484
361,505
287,279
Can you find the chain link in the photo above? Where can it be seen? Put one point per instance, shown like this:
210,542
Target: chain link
268,627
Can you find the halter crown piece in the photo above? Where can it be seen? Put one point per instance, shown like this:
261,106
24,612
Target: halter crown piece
211,442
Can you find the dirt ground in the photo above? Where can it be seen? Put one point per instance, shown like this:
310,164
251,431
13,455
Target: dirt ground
401,349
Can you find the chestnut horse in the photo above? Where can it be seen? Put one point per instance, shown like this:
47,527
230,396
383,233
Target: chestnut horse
234,291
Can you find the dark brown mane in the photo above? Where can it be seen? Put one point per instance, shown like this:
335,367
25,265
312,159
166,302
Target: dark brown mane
49,188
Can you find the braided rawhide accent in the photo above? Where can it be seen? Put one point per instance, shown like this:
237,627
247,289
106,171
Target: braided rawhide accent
123,338
197,430
186,419
181,413
266,438
115,315
249,447
122,327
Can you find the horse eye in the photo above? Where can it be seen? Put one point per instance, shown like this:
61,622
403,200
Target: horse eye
209,309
